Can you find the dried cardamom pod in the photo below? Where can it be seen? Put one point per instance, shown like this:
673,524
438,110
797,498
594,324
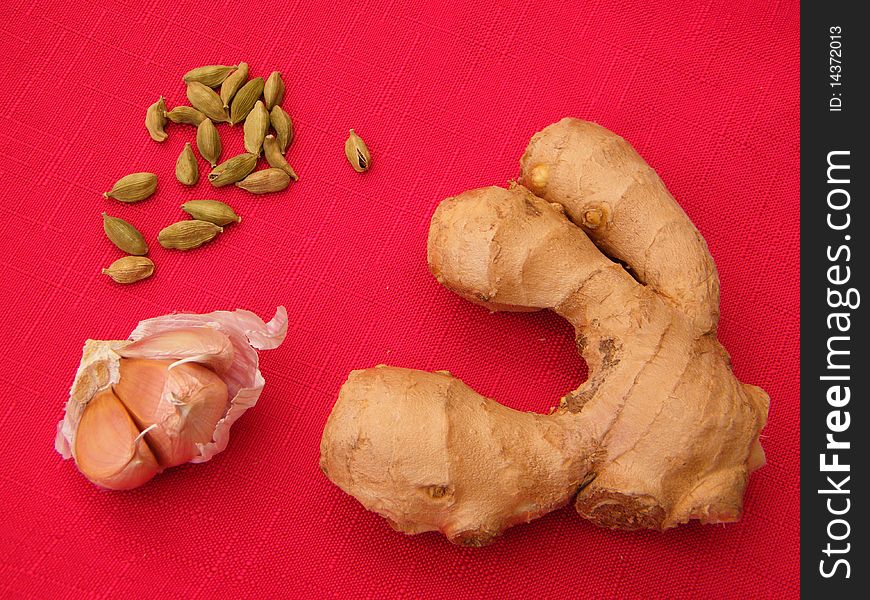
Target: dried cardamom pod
283,126
357,153
186,115
205,100
275,158
133,187
130,269
232,170
186,168
245,99
126,237
211,75
209,142
155,120
232,84
265,181
256,128
186,235
273,91
211,211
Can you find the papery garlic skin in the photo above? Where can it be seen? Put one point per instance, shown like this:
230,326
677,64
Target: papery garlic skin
203,345
183,381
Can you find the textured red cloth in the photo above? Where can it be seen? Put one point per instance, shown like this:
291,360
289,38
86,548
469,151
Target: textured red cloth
446,98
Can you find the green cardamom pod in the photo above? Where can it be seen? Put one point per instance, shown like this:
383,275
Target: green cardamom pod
232,84
133,187
211,211
357,153
208,141
256,128
273,91
186,168
211,75
155,120
245,99
232,170
275,158
205,100
186,115
126,237
186,235
283,126
265,181
130,269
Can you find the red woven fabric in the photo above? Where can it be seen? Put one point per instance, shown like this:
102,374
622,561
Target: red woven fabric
447,98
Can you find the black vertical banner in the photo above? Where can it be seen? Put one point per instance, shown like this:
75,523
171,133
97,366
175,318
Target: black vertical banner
835,227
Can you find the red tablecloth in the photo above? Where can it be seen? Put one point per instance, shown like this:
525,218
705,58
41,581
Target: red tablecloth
447,98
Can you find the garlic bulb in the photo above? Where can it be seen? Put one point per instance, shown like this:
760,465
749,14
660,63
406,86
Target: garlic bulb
167,396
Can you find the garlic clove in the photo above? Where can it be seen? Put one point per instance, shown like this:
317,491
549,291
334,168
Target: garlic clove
109,449
140,388
180,404
203,345
201,397
248,333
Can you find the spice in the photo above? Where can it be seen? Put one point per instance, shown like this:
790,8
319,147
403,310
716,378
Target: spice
130,269
265,181
186,115
357,153
256,128
232,170
273,90
155,120
186,235
245,99
133,187
212,211
232,84
211,75
283,126
275,158
126,237
186,168
208,142
205,100
170,396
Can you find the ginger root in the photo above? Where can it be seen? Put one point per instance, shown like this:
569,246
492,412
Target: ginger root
660,433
